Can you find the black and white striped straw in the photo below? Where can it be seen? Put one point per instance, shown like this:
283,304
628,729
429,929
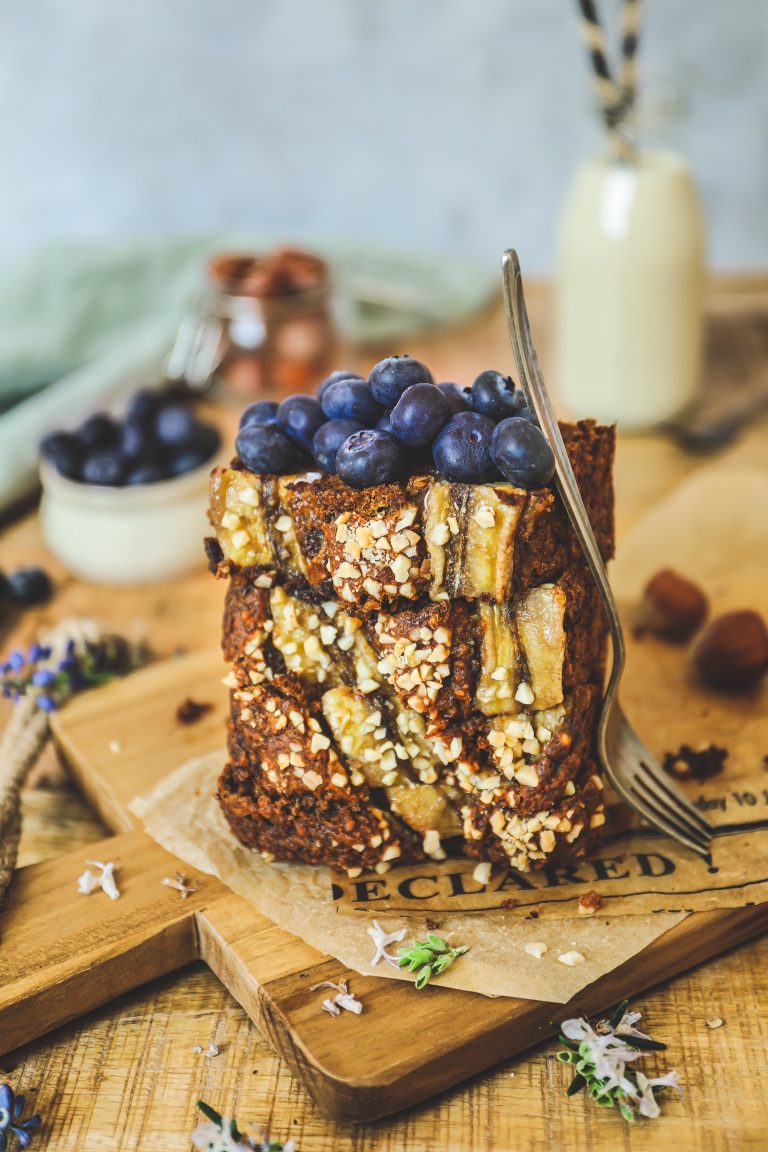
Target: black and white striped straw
616,98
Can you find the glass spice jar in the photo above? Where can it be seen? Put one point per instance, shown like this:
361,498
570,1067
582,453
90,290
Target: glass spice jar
266,326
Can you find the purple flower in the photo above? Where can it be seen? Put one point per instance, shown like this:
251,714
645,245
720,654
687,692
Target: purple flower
45,704
34,654
44,678
11,1109
16,661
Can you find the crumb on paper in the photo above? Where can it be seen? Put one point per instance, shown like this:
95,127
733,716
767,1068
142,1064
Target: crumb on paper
571,959
190,711
115,746
589,902
181,883
715,1022
90,882
482,873
700,763
536,948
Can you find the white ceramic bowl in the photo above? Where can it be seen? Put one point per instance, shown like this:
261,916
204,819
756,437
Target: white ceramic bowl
133,535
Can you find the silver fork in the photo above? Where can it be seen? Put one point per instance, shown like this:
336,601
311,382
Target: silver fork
631,769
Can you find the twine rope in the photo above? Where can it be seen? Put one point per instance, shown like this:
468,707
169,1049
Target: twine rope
24,738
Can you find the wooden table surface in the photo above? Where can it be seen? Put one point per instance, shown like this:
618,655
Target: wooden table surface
126,1078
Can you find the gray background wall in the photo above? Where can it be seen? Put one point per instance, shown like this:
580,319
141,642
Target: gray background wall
429,124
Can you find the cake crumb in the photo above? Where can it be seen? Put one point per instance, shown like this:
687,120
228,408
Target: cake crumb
589,903
190,711
115,746
537,948
571,959
715,1022
700,763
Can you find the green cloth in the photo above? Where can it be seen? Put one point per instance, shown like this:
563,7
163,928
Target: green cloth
83,326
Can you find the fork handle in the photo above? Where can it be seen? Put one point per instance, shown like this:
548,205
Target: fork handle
538,400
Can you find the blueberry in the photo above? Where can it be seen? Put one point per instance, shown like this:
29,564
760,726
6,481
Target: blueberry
135,439
329,438
390,378
384,423
351,400
145,472
99,431
29,586
266,448
64,451
262,412
175,425
462,449
494,395
457,397
300,417
522,454
106,468
144,405
419,415
194,453
368,458
339,374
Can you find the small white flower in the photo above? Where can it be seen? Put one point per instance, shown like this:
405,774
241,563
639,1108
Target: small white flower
181,884
211,1138
349,1003
88,882
343,998
381,939
647,1104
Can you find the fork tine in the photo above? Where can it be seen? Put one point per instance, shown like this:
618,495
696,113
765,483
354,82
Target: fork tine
675,798
656,818
653,802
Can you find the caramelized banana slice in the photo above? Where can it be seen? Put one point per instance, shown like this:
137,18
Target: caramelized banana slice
470,532
238,517
425,808
499,659
361,735
539,615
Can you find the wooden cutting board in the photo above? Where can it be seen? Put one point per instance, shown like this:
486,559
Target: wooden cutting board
62,955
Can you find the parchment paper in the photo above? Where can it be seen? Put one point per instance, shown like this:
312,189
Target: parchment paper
714,529
182,815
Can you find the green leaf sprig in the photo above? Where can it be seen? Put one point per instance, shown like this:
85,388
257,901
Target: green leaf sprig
429,957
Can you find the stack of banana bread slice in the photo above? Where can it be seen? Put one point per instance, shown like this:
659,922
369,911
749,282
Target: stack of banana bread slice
415,668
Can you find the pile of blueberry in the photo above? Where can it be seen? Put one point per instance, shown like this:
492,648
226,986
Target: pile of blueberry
397,421
158,438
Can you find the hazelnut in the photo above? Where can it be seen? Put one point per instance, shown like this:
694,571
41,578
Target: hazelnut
732,651
672,607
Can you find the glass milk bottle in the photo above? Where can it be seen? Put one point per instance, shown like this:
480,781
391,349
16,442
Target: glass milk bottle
630,284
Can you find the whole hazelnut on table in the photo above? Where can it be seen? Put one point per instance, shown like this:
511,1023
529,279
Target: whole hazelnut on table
732,651
672,607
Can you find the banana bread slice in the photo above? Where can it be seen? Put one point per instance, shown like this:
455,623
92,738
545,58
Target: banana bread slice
415,668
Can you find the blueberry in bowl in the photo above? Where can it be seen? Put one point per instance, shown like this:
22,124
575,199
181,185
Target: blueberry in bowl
123,499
